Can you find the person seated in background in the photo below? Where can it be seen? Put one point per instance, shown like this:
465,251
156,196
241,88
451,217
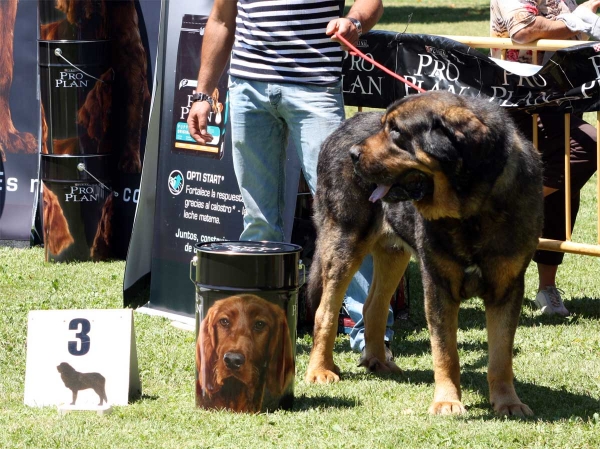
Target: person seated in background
525,21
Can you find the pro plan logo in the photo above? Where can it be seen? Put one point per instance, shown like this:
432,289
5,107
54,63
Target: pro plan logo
176,182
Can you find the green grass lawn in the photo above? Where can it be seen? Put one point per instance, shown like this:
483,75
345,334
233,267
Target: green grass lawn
557,361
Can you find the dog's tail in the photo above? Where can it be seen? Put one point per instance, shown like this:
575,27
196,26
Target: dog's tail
314,289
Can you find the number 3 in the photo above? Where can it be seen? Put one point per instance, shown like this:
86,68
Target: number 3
84,339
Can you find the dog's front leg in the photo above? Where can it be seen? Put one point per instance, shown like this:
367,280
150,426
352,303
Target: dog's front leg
321,367
388,268
501,321
442,319
334,270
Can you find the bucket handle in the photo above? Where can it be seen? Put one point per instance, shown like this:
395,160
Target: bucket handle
193,265
81,167
58,52
302,271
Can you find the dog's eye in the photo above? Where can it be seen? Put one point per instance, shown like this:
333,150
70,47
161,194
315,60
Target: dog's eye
394,132
224,322
259,325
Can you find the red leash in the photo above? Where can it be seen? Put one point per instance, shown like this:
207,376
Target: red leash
356,51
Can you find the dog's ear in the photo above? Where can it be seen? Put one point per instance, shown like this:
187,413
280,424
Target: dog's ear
469,129
473,139
94,114
281,363
101,246
57,236
206,355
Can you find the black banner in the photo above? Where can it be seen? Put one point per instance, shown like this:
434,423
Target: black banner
197,197
115,123
19,119
568,82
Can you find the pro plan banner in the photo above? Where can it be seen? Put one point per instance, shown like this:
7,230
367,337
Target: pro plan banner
110,115
19,119
568,82
197,196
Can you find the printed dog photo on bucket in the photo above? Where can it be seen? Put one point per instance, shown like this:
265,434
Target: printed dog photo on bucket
244,355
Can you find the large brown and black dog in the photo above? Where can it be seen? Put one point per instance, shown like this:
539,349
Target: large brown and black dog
244,355
450,180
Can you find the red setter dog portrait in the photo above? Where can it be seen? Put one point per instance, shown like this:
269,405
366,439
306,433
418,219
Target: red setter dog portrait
57,236
243,354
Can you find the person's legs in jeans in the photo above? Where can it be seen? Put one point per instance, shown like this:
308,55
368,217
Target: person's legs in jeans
314,112
259,137
359,285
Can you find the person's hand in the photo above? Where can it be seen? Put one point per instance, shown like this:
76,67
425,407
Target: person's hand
591,5
198,119
347,30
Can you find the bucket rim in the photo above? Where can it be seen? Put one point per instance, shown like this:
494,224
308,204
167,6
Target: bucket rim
71,41
289,248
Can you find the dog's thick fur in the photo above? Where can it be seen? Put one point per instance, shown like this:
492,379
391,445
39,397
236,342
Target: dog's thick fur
76,381
453,182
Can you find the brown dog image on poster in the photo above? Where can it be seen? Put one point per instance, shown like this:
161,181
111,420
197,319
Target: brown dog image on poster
101,248
243,352
118,21
57,236
94,119
450,180
76,381
11,140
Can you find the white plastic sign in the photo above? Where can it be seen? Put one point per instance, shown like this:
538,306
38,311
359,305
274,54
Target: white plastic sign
82,359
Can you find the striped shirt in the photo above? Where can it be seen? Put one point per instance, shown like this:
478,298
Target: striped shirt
285,40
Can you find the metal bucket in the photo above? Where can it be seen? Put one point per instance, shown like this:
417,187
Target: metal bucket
246,318
77,207
76,97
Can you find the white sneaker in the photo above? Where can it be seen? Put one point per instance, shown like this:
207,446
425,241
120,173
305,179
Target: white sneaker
550,302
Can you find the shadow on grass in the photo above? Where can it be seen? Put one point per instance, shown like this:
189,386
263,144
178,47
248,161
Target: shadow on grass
143,398
304,348
303,403
548,404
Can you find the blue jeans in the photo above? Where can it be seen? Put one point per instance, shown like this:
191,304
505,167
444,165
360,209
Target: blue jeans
354,302
264,115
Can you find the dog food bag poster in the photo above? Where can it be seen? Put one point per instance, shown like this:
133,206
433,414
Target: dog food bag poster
79,358
190,39
197,196
245,350
19,118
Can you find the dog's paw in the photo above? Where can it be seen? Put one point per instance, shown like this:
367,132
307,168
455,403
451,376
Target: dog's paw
374,365
447,408
322,375
519,409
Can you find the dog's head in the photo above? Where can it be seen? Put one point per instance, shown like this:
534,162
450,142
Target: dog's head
434,149
65,368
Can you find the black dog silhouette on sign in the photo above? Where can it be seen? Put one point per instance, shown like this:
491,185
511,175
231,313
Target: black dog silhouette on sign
76,381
